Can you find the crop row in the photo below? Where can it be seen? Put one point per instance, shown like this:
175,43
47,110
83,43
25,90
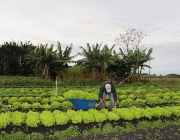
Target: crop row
62,102
48,118
149,98
27,91
61,90
43,100
37,106
165,95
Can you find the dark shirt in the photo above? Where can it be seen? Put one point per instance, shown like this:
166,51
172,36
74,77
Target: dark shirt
113,90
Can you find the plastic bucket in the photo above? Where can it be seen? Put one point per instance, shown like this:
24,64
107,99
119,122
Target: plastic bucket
83,104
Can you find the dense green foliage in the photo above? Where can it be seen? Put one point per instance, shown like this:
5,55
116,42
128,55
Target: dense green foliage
12,58
98,62
26,59
32,108
29,81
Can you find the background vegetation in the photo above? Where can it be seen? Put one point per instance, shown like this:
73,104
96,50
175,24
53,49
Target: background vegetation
20,81
99,61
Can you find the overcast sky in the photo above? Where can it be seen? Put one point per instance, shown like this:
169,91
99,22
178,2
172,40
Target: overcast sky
94,21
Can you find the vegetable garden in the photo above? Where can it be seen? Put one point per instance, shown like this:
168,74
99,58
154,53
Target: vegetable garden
33,109
143,112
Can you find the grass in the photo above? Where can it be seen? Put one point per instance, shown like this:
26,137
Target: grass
164,82
10,81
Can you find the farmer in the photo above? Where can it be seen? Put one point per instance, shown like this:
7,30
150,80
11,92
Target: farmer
108,88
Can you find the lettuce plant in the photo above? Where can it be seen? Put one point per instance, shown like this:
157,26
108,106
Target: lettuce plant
80,94
47,118
18,118
5,119
32,119
60,117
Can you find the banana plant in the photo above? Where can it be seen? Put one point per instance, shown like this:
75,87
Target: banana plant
91,57
49,61
40,58
97,60
61,60
106,59
136,59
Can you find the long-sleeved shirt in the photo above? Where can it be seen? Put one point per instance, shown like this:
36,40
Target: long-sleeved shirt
113,90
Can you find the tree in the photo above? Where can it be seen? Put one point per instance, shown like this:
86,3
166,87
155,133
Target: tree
106,59
12,58
40,58
26,48
97,60
131,39
48,61
133,54
61,60
90,59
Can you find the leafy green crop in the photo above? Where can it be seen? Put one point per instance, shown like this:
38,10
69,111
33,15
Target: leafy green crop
18,118
5,119
32,119
60,117
47,118
80,94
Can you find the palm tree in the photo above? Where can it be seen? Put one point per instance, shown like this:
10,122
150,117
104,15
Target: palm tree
90,59
144,59
97,60
61,60
41,57
48,61
106,59
136,59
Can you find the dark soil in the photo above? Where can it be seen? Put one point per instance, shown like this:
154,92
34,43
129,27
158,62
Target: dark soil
166,133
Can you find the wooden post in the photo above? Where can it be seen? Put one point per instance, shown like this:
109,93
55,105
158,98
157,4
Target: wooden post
56,86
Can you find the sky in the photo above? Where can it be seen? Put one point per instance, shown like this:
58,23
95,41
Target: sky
79,22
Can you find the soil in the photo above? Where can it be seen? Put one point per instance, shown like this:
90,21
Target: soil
167,133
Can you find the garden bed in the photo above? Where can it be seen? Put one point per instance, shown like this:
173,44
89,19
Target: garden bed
167,133
155,128
43,114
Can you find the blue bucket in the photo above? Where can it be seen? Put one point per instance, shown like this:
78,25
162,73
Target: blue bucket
83,104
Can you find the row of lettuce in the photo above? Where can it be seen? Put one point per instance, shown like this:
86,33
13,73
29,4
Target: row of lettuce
55,101
80,94
123,90
57,117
